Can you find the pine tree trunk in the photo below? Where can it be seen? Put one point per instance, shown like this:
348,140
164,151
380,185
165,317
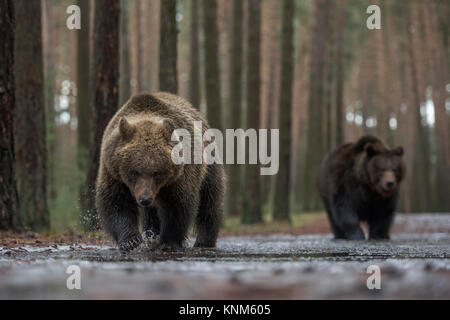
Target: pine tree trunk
236,63
49,81
252,212
421,160
30,144
105,86
9,204
271,84
315,145
138,45
168,80
153,55
125,65
440,70
340,74
150,38
141,49
84,112
212,69
134,46
194,81
283,185
330,53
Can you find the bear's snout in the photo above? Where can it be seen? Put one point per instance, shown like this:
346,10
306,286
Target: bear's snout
388,181
144,191
145,200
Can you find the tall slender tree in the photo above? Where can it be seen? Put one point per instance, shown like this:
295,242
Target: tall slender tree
141,45
282,194
340,75
194,76
329,78
299,103
212,67
440,67
421,158
105,86
315,139
236,63
135,36
138,49
30,144
125,64
168,80
49,84
252,212
154,39
9,202
151,12
84,112
270,81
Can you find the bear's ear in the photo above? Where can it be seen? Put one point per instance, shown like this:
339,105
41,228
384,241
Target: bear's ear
126,129
371,149
168,128
398,151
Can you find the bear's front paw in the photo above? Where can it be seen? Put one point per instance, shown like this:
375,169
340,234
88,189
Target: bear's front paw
170,247
377,237
149,236
151,239
130,243
204,244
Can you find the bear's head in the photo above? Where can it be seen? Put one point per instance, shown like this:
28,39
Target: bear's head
385,168
144,156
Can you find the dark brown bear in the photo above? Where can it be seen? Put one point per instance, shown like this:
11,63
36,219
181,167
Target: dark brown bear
137,175
359,182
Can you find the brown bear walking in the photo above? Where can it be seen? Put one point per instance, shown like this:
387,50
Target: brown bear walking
137,174
360,181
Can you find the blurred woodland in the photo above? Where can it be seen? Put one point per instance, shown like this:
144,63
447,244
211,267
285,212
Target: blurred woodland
309,67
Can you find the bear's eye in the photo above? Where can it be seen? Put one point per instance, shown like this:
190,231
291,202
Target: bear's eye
133,175
157,174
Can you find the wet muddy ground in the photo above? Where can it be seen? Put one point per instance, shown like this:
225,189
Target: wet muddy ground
413,265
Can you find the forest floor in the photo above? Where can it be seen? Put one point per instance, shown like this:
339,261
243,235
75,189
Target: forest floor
296,262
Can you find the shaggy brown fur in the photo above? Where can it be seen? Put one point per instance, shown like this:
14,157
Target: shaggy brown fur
137,172
359,181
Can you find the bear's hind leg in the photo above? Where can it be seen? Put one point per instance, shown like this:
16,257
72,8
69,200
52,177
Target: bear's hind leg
209,216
